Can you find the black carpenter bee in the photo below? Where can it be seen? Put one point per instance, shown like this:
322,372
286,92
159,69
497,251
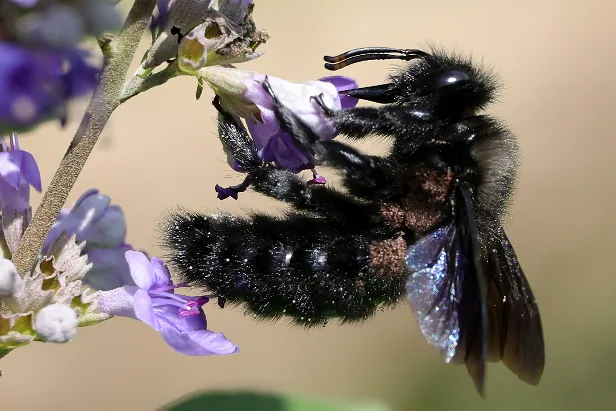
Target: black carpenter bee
422,222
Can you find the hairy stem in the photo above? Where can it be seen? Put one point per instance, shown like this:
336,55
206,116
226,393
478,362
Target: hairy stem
119,53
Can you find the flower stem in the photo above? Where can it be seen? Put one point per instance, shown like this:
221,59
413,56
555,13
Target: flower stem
118,54
136,84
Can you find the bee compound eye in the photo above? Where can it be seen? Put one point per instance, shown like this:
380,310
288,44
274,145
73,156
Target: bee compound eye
442,79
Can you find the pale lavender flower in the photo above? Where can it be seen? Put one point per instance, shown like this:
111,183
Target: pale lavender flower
41,64
277,145
103,227
18,171
25,3
179,319
109,267
92,219
56,24
36,85
243,94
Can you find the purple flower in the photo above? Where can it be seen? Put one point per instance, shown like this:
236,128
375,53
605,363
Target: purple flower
103,227
244,94
36,85
109,268
25,3
179,319
92,219
57,25
277,145
18,171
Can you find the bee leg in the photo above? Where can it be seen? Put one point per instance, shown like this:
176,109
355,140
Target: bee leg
288,187
400,122
367,177
236,141
277,183
242,153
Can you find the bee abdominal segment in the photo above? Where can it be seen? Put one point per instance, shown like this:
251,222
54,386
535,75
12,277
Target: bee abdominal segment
313,275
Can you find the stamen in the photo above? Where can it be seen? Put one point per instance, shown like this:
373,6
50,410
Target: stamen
170,296
186,308
192,307
189,309
14,141
164,301
171,287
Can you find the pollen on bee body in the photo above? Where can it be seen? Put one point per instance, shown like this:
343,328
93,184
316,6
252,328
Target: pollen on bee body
388,256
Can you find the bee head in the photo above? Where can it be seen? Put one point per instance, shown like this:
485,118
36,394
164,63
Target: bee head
450,84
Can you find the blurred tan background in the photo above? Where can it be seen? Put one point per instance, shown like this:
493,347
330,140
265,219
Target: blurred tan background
557,59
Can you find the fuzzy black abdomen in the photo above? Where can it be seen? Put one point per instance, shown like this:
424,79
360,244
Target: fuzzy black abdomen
303,267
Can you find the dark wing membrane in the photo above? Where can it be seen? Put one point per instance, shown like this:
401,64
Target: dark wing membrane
472,308
431,290
515,323
445,290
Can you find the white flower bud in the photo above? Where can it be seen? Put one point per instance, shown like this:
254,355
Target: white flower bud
10,281
56,323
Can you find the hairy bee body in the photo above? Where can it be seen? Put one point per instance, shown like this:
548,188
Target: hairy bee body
301,267
423,222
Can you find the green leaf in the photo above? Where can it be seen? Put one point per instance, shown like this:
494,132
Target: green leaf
199,87
252,401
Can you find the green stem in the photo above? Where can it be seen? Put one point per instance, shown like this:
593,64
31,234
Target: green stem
119,53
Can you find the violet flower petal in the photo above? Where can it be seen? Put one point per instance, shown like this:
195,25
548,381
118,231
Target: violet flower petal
119,301
109,268
144,309
160,274
25,3
139,266
14,199
29,168
262,132
9,171
201,342
179,319
343,83
108,230
169,316
274,143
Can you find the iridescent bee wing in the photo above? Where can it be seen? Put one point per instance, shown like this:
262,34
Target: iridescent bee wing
431,290
516,334
445,290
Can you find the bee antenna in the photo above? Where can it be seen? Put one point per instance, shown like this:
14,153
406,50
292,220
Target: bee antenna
371,53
